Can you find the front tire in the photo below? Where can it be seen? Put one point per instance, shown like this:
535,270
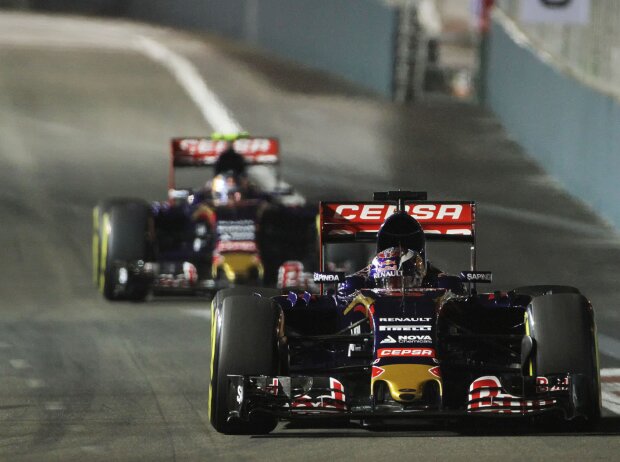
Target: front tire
564,333
122,235
244,341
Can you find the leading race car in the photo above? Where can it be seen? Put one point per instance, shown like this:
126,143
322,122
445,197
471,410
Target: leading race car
400,338
231,231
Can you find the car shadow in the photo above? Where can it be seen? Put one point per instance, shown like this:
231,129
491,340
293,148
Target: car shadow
468,427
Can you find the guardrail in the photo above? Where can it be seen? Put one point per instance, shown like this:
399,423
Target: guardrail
562,119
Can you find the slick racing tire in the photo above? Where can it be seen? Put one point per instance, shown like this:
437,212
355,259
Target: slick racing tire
564,333
121,236
102,208
244,341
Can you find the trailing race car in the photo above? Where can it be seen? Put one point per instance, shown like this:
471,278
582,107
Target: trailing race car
228,232
400,338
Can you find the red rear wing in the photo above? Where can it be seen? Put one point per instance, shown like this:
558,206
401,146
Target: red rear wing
199,152
360,221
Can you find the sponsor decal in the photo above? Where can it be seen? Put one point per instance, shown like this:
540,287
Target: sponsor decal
414,339
205,146
377,371
405,328
236,230
379,212
477,276
455,218
406,352
255,145
405,319
328,276
236,246
545,385
382,273
388,339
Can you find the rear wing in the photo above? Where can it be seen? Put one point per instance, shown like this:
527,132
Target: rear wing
204,151
346,221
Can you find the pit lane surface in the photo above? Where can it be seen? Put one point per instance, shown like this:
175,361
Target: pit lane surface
85,115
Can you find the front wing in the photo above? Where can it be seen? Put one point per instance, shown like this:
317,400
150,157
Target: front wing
303,397
167,278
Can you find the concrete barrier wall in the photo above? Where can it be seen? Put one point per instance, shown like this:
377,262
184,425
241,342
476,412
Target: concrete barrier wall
353,39
570,128
225,17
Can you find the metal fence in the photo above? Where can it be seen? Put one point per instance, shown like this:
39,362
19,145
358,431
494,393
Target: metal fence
590,53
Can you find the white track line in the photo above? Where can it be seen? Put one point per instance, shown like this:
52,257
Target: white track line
186,74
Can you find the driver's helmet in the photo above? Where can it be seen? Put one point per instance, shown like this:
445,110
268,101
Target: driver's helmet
398,268
401,230
226,188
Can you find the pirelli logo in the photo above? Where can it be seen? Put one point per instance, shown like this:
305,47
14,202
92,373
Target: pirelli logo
405,328
198,146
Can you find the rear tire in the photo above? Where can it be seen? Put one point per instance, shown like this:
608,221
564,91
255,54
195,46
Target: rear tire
244,341
122,235
562,326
